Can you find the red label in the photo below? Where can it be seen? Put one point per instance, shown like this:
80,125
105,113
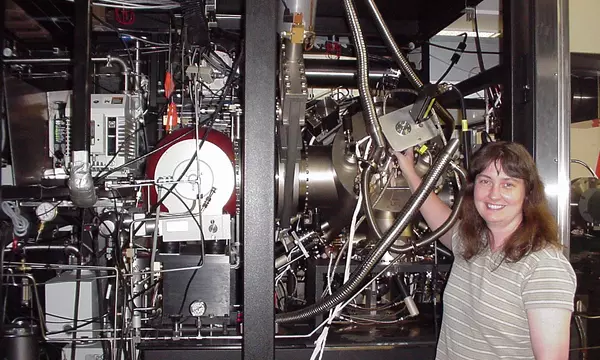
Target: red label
598,165
124,16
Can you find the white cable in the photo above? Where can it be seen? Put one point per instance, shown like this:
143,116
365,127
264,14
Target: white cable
20,223
322,339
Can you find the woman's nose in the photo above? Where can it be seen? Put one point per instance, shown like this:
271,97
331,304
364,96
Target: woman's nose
495,192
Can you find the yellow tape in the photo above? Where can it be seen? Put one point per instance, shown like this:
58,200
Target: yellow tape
465,125
426,115
422,149
407,232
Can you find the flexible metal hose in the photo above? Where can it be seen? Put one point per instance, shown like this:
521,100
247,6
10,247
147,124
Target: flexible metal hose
365,179
349,289
369,112
446,226
402,60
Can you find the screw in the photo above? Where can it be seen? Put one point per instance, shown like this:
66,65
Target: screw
403,128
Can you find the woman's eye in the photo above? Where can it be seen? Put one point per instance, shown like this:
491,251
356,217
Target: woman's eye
509,185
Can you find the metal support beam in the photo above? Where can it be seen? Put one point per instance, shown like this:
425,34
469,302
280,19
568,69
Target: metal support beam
258,180
475,83
3,128
537,99
80,125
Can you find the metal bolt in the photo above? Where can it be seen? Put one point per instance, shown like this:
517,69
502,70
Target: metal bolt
403,128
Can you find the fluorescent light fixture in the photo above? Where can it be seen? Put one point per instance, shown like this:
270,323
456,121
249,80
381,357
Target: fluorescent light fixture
471,34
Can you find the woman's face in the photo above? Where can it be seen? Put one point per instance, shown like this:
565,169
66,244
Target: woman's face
499,198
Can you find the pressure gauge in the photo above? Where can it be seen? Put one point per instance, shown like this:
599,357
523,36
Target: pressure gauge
197,308
46,212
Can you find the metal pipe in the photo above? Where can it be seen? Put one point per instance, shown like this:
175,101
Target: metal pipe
588,168
348,290
137,81
52,61
368,207
402,60
368,106
124,67
68,249
61,61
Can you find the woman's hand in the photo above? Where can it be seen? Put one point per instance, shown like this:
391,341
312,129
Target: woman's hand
406,161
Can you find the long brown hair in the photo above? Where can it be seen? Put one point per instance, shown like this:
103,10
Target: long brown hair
538,228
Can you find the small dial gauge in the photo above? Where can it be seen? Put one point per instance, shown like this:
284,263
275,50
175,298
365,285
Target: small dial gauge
46,212
197,308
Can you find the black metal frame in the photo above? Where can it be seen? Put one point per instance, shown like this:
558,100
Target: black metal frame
537,93
2,98
82,84
518,61
258,209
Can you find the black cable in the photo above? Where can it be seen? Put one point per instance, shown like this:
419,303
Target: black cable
3,242
101,309
123,145
146,290
201,261
210,121
189,283
142,157
74,329
465,132
461,98
460,48
466,51
187,208
77,290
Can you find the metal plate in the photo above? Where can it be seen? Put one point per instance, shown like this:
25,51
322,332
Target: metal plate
402,132
27,110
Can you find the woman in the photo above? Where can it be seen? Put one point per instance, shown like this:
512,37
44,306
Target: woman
510,292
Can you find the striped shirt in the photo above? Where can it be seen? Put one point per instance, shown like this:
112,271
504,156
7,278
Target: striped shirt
486,299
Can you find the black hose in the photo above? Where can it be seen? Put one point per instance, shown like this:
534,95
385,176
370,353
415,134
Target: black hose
348,290
77,292
447,225
465,132
5,239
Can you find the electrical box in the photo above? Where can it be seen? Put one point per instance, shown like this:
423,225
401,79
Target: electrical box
113,132
60,305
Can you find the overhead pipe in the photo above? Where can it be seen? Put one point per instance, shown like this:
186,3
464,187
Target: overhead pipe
368,106
403,61
61,61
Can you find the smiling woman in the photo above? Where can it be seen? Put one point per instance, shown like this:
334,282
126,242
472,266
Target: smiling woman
506,204
510,292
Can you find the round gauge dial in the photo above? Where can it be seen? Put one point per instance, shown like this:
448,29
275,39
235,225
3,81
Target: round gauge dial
197,308
46,211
